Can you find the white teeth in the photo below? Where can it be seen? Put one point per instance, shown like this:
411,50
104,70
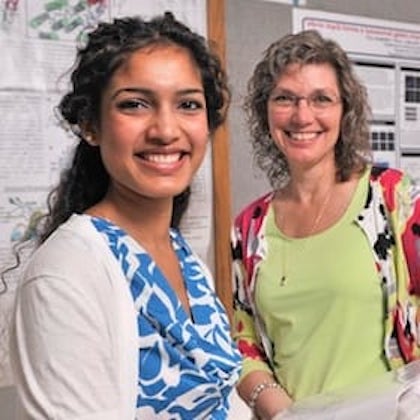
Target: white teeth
303,136
163,158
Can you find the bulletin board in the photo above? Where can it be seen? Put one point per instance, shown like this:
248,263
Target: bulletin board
37,40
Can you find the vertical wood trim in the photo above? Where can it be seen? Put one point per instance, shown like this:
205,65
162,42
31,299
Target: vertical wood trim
221,172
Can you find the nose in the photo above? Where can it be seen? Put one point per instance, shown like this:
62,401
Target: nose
302,112
164,127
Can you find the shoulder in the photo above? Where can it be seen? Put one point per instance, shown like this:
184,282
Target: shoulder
75,238
386,176
391,178
257,209
396,185
74,251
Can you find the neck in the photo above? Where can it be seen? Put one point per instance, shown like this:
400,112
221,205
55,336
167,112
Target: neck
310,188
147,221
301,206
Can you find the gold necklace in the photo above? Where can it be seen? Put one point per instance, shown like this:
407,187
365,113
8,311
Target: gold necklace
313,228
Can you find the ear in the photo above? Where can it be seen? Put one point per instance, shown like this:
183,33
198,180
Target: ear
89,134
90,138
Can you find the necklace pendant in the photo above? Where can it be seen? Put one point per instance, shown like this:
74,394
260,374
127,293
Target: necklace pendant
283,280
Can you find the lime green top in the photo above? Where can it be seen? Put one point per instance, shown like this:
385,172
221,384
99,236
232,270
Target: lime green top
325,322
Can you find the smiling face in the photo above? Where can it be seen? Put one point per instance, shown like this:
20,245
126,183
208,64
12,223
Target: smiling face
306,133
153,126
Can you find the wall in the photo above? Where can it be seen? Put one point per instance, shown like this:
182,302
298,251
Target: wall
250,26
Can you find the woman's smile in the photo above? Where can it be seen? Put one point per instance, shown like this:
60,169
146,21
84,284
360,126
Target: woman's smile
303,136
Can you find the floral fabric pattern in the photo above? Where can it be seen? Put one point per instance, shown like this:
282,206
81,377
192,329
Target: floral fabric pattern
390,221
187,367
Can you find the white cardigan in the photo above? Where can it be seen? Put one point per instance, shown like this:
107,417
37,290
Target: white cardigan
74,343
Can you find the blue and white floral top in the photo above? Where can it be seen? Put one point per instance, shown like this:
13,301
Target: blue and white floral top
187,366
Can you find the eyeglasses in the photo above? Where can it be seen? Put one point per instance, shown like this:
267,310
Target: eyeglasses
318,102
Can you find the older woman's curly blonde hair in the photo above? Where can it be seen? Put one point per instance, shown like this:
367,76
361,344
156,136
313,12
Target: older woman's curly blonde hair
352,151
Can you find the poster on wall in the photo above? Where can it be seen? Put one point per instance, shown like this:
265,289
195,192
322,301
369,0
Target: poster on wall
386,55
409,84
362,35
37,43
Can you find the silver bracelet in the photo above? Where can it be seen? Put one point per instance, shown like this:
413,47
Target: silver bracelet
257,391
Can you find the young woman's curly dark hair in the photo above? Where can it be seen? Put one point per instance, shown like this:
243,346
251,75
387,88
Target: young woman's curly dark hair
352,151
107,48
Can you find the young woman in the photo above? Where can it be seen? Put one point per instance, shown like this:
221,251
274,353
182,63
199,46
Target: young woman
116,317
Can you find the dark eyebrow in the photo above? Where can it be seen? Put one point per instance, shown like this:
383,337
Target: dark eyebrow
147,92
282,90
150,93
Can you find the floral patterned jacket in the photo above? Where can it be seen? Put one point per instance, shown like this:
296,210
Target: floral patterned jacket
390,220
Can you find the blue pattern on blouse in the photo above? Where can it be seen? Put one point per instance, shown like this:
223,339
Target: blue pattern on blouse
187,368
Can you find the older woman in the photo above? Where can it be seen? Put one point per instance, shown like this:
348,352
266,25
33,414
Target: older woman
327,265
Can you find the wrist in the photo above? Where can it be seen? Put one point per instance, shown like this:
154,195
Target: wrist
270,401
257,391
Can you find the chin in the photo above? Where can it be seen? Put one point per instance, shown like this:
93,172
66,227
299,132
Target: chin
163,193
